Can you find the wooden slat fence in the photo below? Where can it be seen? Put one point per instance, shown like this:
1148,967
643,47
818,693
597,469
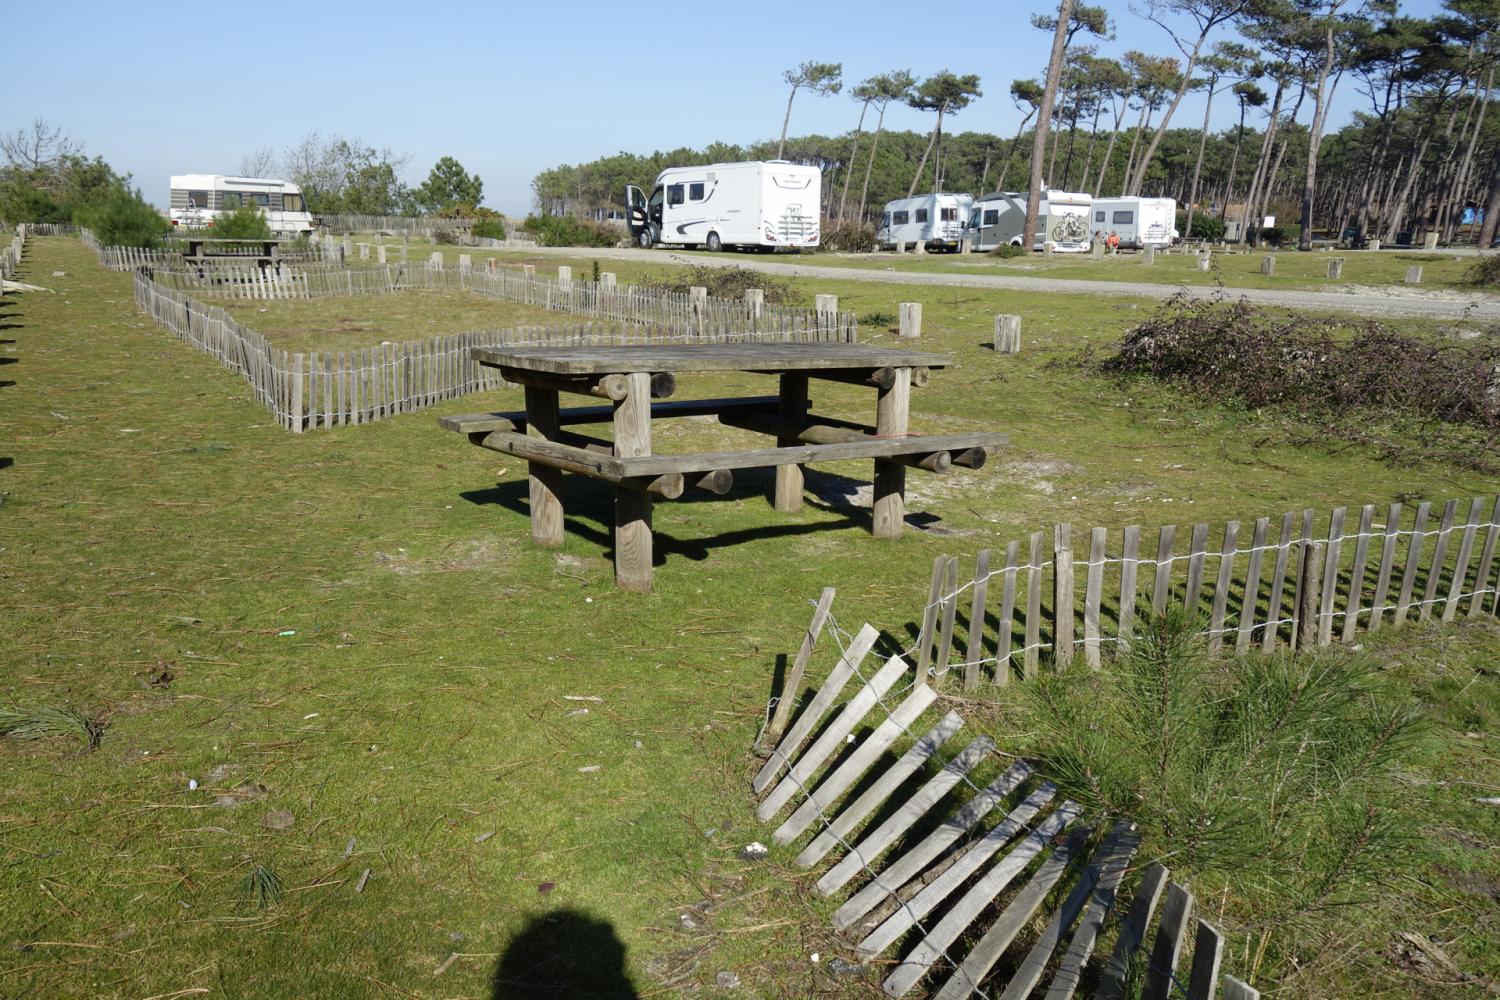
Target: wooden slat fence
1303,579
50,228
338,388
123,258
410,225
10,258
920,841
711,318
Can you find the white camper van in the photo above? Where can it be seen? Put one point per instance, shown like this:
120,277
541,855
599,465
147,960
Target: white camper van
938,221
999,218
1139,222
724,205
197,199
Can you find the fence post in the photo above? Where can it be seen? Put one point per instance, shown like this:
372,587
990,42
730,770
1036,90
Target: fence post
1007,334
911,319
755,300
1335,268
1062,595
1414,273
1148,256
1205,260
529,270
491,265
827,307
1096,249
608,280
465,262
1311,593
1268,265
437,259
1429,241
380,253
564,275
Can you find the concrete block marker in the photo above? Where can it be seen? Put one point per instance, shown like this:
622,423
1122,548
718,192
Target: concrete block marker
1268,265
1414,274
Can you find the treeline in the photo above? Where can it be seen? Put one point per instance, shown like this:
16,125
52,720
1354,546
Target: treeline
1424,157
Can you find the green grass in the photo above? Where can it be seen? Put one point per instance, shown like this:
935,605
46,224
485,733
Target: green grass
337,324
1233,270
352,627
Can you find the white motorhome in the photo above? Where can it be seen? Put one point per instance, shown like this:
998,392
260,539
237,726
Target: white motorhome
197,199
937,221
999,219
1138,222
762,204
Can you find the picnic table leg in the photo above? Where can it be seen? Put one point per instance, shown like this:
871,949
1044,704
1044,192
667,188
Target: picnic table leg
793,404
545,481
633,507
891,408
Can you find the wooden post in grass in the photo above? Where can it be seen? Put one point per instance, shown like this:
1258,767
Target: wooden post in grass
1007,334
348,247
911,319
1311,592
564,275
1335,268
1429,242
1148,256
901,246
1049,248
1062,595
1414,274
1096,249
919,248
491,265
465,262
529,270
380,253
607,280
437,259
1205,260
364,251
1374,244
827,311
1268,265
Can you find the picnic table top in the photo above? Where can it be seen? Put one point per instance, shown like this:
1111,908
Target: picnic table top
767,356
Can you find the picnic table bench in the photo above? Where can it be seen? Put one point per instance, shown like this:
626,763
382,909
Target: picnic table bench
631,377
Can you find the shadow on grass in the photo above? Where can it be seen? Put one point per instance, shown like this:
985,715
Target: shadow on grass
565,953
588,513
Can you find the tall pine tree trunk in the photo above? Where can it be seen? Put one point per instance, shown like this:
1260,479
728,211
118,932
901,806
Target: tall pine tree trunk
853,152
1315,137
1192,198
931,141
1043,121
864,192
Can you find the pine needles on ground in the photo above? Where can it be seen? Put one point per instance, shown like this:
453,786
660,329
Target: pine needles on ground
261,887
49,720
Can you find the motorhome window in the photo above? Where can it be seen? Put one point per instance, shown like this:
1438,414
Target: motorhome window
899,218
885,220
992,217
921,215
1123,218
197,199
256,198
229,199
675,194
291,203
1099,216
695,191
949,214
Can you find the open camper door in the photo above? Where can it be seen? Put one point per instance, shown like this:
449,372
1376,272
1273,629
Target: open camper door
638,216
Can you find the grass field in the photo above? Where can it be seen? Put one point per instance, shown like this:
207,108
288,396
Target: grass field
1232,270
337,653
336,324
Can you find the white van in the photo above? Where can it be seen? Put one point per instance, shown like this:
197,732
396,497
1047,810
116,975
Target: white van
1139,222
938,221
726,205
999,219
197,199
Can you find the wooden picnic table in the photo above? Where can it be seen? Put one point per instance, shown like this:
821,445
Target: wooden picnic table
630,377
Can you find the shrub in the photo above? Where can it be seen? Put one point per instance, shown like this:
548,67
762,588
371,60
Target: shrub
566,231
490,228
1485,273
21,202
447,237
244,223
123,220
848,237
1008,250
726,282
1205,226
1358,379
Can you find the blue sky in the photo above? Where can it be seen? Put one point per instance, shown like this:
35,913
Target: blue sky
508,89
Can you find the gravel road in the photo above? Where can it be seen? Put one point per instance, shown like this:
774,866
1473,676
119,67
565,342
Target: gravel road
1365,300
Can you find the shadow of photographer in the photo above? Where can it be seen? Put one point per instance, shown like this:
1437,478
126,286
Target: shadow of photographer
563,953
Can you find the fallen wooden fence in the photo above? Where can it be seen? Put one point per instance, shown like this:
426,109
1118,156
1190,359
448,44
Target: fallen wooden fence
1302,580
855,803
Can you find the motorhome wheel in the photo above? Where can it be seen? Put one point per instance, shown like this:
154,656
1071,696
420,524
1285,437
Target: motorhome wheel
714,245
644,239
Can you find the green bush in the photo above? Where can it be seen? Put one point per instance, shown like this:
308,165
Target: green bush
566,231
123,220
726,282
1205,226
244,223
1008,250
492,229
848,237
21,202
1485,273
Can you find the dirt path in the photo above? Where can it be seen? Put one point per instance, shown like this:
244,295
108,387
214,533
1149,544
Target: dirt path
1365,300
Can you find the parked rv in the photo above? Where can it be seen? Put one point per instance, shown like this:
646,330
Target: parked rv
937,221
197,199
999,219
761,204
1139,222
